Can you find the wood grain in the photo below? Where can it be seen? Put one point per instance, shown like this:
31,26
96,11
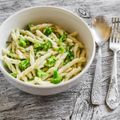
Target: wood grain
74,104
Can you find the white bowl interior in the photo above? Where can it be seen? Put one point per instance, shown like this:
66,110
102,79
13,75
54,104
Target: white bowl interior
57,16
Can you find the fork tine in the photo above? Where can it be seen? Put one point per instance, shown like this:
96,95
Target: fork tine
112,33
118,40
119,30
116,30
115,26
117,36
117,22
115,47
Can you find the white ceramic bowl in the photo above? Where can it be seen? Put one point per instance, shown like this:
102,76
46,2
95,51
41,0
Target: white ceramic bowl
59,16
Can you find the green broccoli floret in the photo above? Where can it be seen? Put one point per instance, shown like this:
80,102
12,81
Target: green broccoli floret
63,37
47,45
47,30
61,49
40,73
24,64
56,78
24,42
38,46
51,61
42,46
70,57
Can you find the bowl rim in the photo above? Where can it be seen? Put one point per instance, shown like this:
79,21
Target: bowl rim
62,83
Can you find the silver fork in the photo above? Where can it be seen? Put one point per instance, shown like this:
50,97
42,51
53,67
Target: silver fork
112,99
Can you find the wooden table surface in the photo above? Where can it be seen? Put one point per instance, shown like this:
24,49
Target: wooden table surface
74,104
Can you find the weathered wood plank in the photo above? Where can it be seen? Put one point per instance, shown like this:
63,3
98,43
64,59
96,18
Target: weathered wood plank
74,104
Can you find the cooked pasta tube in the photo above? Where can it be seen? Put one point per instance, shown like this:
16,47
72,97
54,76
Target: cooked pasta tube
20,54
76,49
27,33
83,53
76,41
73,72
32,56
29,75
74,34
31,39
53,37
59,30
10,66
62,69
40,26
10,60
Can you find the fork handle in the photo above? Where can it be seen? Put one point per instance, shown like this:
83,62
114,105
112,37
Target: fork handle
112,99
96,95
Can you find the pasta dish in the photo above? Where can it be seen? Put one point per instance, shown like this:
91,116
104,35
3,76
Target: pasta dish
43,54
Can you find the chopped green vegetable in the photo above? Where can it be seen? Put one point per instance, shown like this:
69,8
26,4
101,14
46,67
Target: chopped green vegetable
40,73
14,74
47,45
47,30
27,42
70,57
51,61
56,77
24,42
43,46
24,64
38,46
28,27
63,37
61,49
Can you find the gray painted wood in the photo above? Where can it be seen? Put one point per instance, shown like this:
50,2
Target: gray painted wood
74,104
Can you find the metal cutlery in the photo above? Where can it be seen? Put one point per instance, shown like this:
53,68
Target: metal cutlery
101,31
112,99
